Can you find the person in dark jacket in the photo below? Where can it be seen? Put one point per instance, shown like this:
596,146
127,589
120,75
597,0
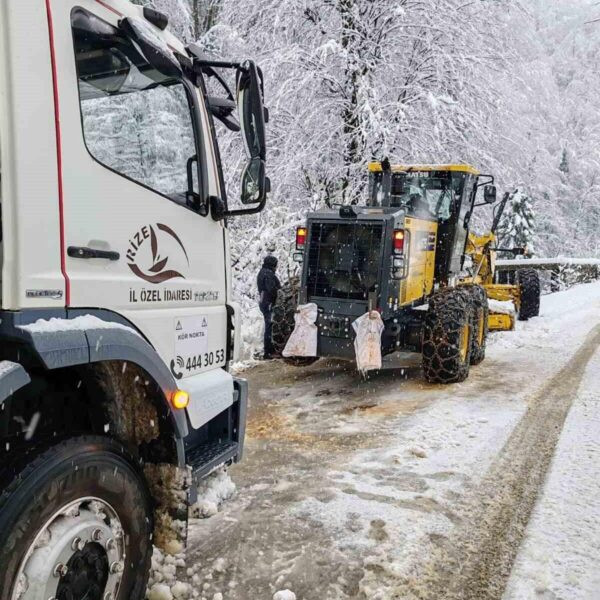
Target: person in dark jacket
268,284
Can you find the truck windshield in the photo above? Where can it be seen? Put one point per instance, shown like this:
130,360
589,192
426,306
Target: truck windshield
424,193
136,122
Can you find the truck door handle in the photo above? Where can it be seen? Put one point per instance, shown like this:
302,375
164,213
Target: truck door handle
82,252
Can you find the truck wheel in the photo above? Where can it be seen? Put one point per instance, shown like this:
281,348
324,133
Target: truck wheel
528,281
76,523
481,313
284,310
447,337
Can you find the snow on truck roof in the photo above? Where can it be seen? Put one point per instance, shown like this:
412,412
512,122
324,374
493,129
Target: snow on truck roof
375,167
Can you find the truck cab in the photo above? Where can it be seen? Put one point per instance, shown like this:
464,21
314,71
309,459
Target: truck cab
117,325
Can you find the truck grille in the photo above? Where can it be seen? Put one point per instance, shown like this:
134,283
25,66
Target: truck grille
344,260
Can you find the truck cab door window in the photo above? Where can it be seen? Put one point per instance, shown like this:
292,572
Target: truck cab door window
136,121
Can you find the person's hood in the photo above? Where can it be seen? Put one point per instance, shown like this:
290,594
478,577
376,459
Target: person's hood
270,262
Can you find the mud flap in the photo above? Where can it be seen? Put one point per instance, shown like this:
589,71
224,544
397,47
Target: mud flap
303,341
367,343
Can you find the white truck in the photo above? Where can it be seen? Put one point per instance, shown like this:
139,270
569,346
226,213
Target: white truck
117,324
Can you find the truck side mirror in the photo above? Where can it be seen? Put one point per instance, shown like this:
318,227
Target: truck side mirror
251,109
252,122
489,194
252,114
254,181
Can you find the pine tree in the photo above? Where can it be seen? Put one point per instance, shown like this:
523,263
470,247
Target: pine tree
517,225
564,162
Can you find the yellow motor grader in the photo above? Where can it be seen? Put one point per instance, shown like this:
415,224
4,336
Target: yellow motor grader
403,255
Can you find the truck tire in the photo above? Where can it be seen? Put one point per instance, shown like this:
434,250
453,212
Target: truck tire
528,281
447,337
284,310
481,314
76,522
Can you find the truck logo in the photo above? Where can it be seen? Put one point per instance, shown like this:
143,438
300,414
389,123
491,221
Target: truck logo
158,272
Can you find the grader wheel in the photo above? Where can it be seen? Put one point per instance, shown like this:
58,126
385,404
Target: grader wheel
284,310
528,281
447,337
481,314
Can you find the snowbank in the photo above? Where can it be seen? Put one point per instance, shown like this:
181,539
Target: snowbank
212,492
163,584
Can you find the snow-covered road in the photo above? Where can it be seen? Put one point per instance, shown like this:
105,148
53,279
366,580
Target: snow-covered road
394,488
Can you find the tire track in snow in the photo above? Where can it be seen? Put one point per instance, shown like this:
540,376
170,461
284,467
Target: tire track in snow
475,563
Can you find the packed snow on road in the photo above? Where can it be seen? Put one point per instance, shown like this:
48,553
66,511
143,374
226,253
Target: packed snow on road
389,487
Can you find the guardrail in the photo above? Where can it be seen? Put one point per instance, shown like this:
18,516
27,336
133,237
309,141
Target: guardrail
563,272
547,264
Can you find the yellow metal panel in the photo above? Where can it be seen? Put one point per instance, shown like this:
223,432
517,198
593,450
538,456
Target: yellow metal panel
430,258
501,322
420,253
375,167
503,293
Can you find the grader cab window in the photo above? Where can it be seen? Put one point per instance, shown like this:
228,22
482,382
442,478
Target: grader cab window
424,194
136,121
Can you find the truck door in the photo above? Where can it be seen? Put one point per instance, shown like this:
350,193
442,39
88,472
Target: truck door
131,140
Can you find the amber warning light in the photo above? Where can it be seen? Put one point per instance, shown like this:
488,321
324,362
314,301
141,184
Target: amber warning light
180,399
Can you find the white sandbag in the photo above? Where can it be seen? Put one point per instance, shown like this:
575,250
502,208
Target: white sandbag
303,341
367,343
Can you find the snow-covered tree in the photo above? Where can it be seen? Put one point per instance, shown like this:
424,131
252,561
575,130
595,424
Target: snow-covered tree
507,86
204,15
517,226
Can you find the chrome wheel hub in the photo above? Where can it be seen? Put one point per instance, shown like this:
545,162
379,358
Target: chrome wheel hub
79,553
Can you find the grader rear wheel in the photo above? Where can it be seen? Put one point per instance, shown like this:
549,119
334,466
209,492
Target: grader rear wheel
528,281
284,310
447,337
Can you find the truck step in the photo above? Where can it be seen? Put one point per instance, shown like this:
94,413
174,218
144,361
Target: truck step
203,459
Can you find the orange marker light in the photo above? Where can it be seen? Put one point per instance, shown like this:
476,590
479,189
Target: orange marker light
301,234
180,399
